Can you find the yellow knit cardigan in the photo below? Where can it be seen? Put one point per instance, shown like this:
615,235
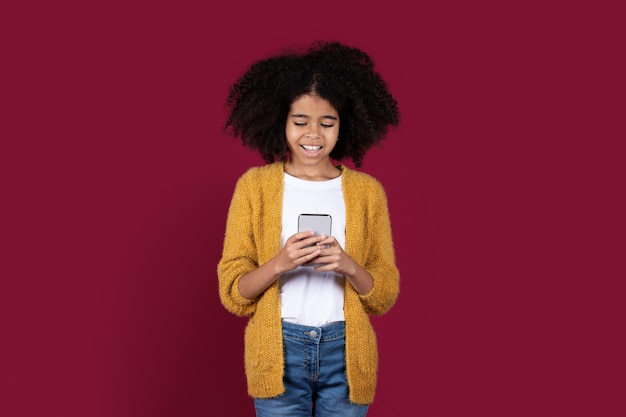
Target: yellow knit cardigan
253,236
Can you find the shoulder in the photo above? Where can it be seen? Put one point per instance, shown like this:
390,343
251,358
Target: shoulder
360,180
263,173
260,181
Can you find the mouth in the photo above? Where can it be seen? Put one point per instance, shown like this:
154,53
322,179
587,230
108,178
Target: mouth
311,148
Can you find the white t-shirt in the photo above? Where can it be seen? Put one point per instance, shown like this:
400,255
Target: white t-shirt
309,297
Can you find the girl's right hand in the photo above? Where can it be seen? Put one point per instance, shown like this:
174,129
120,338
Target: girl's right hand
297,251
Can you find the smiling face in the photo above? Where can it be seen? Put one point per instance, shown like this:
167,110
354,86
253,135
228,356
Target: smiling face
312,129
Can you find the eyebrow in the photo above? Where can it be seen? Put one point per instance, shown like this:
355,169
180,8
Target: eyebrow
308,117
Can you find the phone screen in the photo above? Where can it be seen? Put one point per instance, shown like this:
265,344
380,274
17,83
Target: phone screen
320,223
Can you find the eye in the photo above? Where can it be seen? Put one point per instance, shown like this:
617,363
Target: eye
327,125
299,124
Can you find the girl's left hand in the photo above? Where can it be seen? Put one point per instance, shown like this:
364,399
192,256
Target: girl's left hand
334,258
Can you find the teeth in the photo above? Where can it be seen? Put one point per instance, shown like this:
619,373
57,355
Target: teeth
311,148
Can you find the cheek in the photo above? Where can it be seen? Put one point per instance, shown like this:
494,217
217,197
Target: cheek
289,133
291,136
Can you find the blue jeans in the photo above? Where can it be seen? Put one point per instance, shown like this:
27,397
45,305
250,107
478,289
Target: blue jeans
315,375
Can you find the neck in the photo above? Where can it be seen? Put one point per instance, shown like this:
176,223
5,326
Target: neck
312,173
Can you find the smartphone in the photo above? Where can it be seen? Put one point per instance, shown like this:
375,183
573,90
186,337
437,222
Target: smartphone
320,223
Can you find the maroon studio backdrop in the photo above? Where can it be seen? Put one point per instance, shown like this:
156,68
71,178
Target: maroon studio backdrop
502,183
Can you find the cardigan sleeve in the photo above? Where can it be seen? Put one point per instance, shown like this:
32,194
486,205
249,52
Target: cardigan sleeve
239,254
379,259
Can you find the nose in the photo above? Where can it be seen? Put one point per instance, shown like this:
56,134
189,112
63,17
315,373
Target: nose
313,132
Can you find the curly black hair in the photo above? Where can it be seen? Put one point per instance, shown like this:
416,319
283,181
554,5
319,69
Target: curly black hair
259,101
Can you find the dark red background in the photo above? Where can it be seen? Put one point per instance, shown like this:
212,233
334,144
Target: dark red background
505,184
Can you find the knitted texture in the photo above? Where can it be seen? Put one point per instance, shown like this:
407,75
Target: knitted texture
253,237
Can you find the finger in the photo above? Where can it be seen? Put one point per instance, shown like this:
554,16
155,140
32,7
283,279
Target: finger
327,243
310,258
303,235
312,241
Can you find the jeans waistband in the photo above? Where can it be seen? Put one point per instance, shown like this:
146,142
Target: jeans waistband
331,331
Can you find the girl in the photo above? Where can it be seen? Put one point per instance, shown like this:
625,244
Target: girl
310,348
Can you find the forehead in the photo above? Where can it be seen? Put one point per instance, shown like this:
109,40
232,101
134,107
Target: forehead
312,105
